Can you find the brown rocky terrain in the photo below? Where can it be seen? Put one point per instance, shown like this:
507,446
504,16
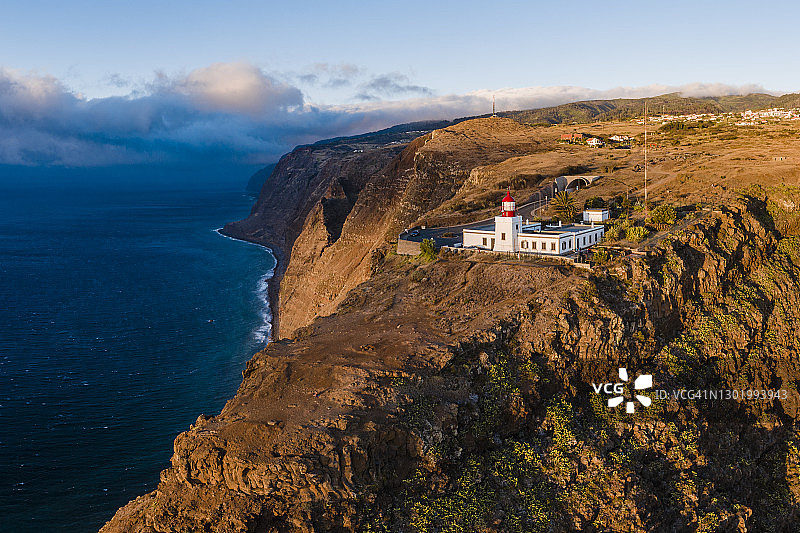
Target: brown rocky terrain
455,394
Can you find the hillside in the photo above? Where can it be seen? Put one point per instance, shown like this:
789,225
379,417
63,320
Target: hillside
456,394
258,179
624,109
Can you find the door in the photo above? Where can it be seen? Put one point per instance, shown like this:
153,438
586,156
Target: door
492,243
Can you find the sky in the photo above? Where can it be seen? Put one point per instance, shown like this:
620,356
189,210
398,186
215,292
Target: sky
94,82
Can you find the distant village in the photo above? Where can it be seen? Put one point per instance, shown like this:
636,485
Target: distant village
745,118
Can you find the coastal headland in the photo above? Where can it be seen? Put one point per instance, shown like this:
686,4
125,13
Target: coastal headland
455,392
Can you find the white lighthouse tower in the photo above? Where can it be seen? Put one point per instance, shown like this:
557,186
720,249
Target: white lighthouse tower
507,226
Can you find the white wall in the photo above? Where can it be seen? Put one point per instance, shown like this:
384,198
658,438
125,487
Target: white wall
539,240
595,216
590,237
510,227
476,239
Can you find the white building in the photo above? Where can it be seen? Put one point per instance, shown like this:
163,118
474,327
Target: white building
594,141
509,234
598,215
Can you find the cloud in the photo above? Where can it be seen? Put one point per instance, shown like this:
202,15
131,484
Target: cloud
118,81
230,111
329,76
237,113
392,84
236,88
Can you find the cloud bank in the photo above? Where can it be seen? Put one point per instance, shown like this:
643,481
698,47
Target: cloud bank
237,113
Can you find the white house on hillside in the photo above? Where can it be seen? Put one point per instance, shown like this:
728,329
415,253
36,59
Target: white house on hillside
620,138
509,234
599,215
594,141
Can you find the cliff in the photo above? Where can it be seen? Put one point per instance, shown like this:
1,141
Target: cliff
317,183
455,395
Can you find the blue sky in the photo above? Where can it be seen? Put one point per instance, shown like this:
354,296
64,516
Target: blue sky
269,75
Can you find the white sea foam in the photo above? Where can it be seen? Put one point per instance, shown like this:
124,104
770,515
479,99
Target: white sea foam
263,331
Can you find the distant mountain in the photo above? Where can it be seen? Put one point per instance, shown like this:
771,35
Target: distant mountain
398,133
673,103
788,101
257,180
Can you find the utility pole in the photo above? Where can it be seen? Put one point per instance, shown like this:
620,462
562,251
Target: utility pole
645,155
493,113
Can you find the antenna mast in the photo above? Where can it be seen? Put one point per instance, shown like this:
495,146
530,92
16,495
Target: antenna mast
493,113
645,155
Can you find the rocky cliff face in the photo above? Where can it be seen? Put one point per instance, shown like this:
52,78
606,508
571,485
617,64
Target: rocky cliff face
312,188
456,395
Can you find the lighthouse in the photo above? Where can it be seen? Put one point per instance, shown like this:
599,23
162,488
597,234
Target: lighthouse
507,226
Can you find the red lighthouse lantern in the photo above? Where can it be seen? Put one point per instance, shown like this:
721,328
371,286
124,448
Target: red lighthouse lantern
509,206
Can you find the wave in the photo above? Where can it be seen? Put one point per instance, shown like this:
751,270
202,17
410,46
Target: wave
263,332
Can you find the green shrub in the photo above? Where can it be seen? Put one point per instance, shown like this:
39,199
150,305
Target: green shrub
600,257
428,249
636,234
594,203
663,215
673,126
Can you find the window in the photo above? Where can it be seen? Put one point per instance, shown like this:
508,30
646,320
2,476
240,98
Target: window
563,245
484,241
584,241
553,246
502,236
523,244
533,245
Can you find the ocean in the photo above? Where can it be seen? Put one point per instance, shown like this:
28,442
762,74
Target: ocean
123,316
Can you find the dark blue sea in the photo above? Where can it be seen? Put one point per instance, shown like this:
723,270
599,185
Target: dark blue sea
123,316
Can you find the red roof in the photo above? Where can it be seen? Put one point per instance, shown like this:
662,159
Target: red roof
508,197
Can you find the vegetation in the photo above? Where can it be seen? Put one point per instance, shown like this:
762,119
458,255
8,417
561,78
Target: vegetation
600,257
564,205
594,202
615,229
522,181
624,109
636,233
663,216
571,170
428,249
511,479
612,234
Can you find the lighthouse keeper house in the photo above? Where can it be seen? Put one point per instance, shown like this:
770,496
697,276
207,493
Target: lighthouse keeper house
510,234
